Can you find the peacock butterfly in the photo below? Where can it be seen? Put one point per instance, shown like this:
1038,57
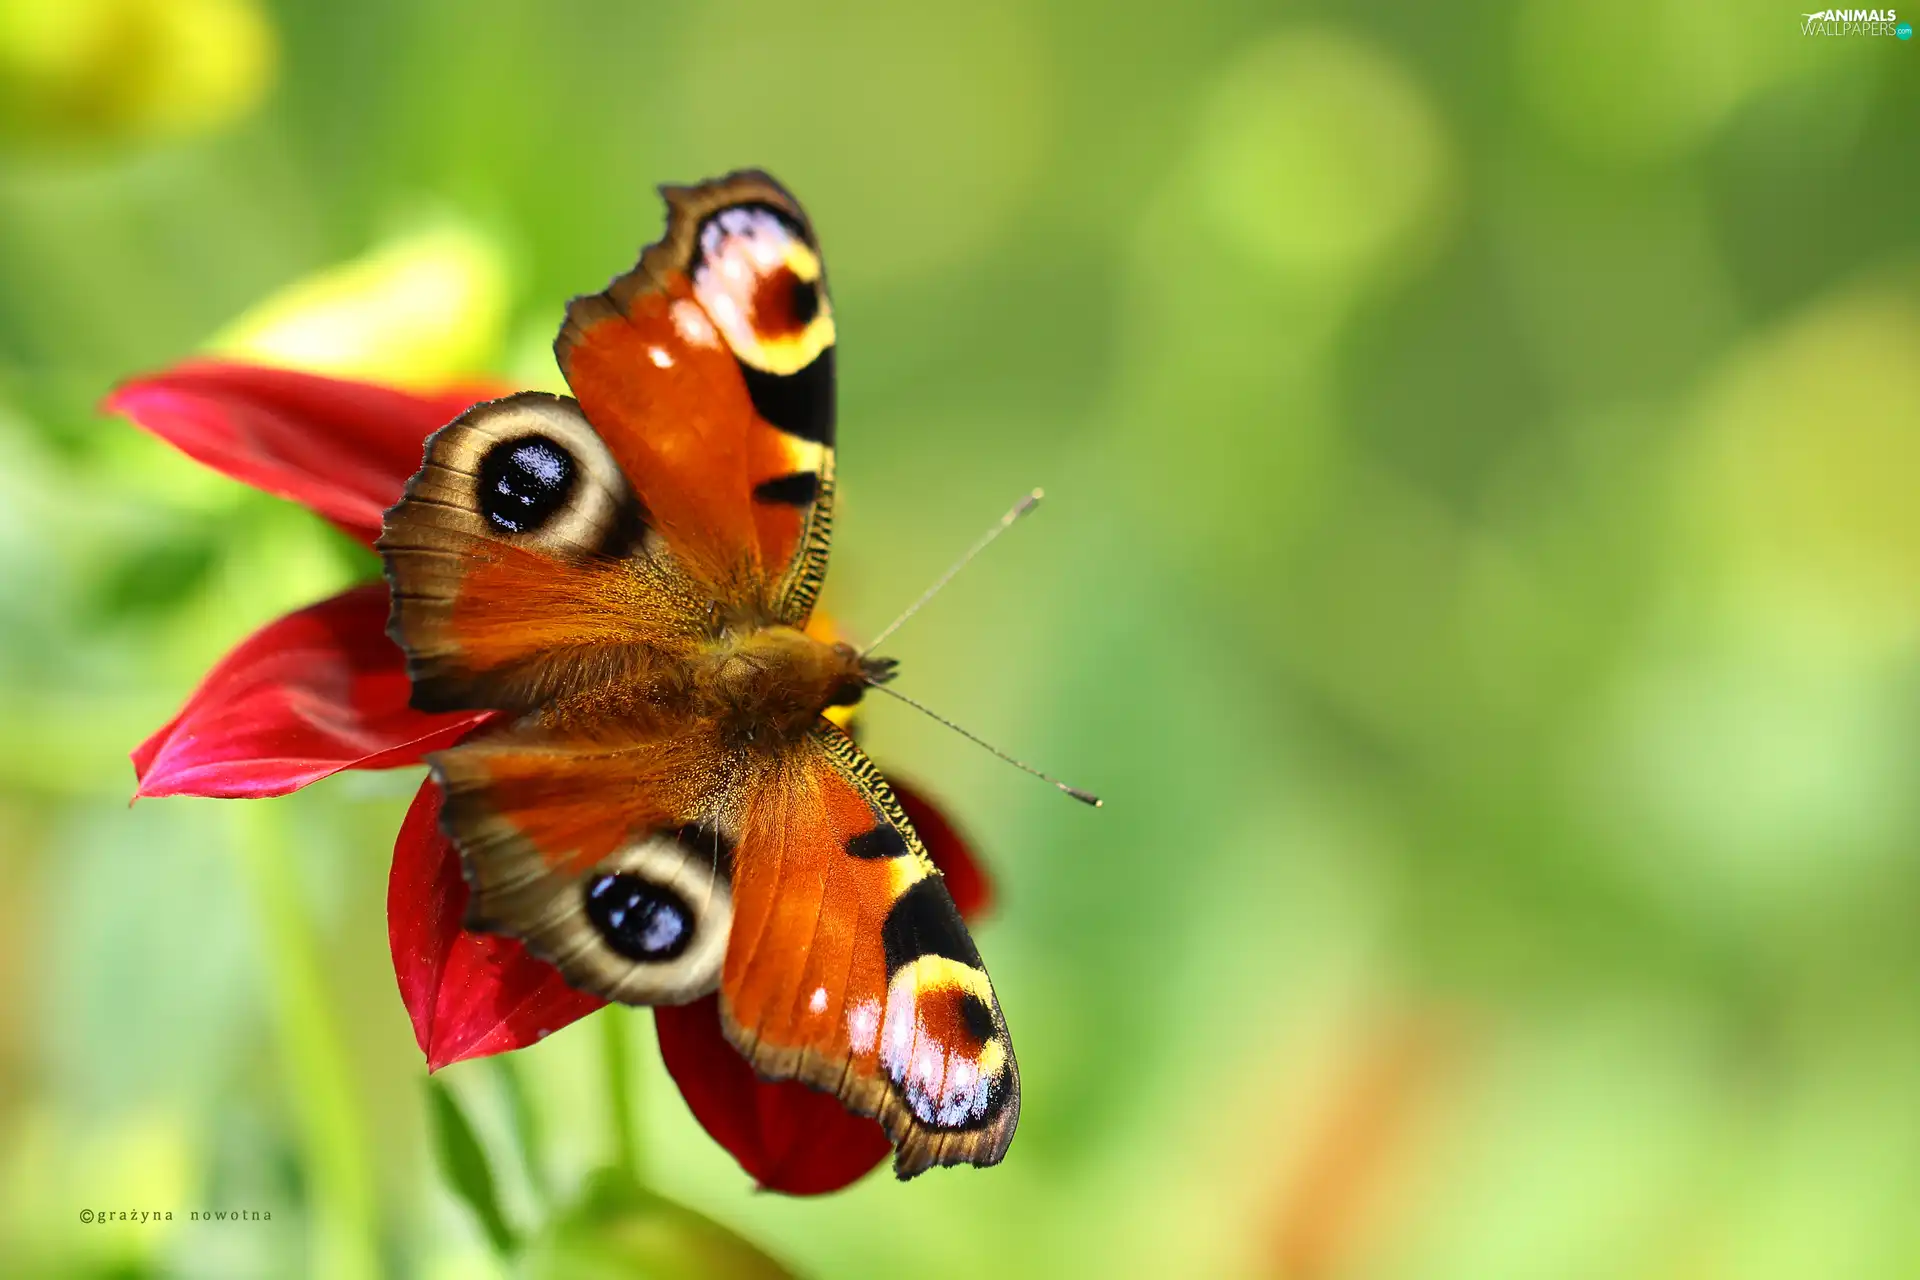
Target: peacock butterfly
666,810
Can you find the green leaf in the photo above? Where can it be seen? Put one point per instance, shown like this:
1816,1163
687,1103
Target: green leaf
464,1162
526,1121
155,577
618,1229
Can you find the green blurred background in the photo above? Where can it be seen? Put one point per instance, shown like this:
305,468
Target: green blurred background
1480,573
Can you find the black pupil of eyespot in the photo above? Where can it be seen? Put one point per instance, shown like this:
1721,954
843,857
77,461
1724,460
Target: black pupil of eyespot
639,919
977,1017
805,300
523,482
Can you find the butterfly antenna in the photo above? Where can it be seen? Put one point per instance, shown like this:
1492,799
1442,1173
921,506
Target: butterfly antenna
1005,522
1084,797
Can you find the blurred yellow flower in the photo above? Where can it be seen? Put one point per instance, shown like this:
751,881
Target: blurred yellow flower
114,69
412,312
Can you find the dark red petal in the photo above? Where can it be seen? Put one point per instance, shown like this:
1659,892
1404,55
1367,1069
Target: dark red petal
966,880
469,994
306,696
786,1136
344,449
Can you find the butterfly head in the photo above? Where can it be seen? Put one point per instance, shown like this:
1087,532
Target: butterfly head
770,684
861,674
872,670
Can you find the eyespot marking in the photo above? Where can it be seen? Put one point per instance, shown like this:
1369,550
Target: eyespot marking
523,482
803,301
976,1017
639,919
943,1050
757,274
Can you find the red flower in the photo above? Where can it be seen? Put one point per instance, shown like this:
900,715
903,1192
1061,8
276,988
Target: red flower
324,689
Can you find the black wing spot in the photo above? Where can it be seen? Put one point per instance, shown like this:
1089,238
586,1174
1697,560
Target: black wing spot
629,530
796,489
924,922
881,842
523,482
977,1017
803,301
639,919
799,403
708,845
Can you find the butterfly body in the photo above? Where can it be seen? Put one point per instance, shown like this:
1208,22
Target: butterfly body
768,688
663,809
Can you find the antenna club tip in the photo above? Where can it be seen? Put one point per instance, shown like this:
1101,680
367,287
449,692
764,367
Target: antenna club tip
1085,797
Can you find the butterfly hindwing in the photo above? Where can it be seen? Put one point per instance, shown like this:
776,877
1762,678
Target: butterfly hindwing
709,370
850,968
588,850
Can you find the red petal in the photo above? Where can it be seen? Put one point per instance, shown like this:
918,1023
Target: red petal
966,880
313,693
787,1136
469,994
344,449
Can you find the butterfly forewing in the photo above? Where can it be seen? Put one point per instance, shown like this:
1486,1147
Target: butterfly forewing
710,369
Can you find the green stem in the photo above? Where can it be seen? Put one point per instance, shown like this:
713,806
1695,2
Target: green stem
343,1242
619,1060
526,1123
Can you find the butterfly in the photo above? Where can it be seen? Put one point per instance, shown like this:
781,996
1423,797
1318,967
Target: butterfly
666,809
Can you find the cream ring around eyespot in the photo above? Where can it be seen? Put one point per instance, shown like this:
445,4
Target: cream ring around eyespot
663,861
591,510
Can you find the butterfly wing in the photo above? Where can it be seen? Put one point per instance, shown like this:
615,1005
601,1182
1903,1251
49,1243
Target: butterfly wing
709,370
593,850
796,886
521,565
563,557
550,546
850,969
